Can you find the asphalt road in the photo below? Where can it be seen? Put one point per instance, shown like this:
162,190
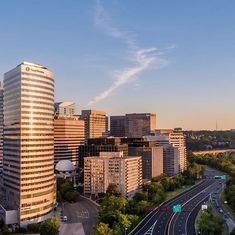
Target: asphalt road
82,216
220,209
167,222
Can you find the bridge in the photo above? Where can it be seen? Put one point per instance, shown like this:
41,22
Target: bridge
215,152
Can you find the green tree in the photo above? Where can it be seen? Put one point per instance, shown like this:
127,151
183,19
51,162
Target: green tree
66,187
102,229
209,224
112,190
140,196
71,196
110,208
49,227
35,228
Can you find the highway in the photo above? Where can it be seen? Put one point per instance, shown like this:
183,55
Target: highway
168,223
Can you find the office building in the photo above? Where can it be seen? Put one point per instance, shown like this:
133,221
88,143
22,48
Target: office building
69,134
112,167
64,109
94,146
170,160
28,145
96,123
176,139
1,127
117,126
152,160
140,124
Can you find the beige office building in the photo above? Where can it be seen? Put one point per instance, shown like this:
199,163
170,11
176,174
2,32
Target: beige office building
112,167
96,123
69,135
28,146
177,139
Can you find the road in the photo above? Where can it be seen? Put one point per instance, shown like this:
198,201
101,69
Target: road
167,222
82,216
221,210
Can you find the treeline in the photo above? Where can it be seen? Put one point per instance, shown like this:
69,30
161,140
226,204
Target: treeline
225,164
119,216
202,140
210,224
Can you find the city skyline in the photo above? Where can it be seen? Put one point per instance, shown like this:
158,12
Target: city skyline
175,60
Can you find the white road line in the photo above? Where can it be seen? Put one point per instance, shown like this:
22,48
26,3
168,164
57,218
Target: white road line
168,229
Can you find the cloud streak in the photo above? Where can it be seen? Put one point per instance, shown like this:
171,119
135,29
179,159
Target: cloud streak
143,58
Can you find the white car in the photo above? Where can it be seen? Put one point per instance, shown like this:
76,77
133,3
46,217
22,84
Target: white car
65,218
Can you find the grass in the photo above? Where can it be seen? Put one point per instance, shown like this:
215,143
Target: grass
196,221
176,192
230,210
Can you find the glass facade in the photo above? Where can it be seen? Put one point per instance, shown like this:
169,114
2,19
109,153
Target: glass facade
28,164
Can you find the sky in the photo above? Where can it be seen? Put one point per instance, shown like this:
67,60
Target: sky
175,58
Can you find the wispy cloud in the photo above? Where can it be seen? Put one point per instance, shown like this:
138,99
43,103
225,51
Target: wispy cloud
143,58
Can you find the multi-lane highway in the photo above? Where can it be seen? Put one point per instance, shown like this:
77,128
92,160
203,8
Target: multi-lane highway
163,221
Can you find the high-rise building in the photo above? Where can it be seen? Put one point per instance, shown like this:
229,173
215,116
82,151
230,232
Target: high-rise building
28,144
176,139
170,160
64,109
94,146
117,126
152,160
140,124
69,134
96,123
1,127
112,167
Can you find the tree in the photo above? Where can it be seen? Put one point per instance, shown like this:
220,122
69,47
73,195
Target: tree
49,227
71,196
66,187
35,228
112,190
110,208
102,229
140,196
210,224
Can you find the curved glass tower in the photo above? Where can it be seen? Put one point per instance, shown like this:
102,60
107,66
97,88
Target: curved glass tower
28,145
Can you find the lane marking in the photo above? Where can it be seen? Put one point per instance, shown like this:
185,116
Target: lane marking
173,216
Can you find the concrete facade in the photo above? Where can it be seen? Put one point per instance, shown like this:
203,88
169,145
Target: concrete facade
152,160
125,172
96,123
69,134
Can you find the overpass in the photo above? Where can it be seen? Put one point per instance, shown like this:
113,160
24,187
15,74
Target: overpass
215,152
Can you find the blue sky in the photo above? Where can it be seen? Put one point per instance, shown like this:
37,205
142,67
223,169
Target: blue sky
175,58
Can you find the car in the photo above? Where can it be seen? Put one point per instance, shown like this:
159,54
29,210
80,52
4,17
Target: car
221,211
65,218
